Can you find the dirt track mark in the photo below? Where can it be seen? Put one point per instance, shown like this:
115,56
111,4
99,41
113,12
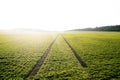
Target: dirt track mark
39,63
83,64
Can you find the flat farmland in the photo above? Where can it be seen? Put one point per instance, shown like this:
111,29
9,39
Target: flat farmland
60,56
61,64
19,52
100,51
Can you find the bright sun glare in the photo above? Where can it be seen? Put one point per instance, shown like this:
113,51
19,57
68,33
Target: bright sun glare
58,15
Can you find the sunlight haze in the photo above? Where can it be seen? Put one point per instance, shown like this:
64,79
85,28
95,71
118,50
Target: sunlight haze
58,15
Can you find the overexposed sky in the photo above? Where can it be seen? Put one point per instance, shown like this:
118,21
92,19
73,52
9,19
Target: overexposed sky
58,14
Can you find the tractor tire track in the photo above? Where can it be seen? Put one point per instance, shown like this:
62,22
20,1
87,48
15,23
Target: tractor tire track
39,63
83,64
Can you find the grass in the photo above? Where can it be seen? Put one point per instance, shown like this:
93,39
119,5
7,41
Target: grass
19,53
100,50
61,64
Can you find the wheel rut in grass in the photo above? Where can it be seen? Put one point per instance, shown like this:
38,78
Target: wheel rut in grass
83,64
39,63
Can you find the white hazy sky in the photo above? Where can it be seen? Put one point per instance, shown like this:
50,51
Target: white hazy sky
58,14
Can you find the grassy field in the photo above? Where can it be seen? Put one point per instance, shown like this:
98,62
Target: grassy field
19,52
100,51
61,64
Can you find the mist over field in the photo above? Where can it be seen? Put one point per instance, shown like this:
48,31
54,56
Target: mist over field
59,40
60,55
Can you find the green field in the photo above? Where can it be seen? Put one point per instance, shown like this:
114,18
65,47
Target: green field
100,51
19,52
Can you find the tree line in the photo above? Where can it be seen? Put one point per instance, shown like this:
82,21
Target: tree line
103,28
